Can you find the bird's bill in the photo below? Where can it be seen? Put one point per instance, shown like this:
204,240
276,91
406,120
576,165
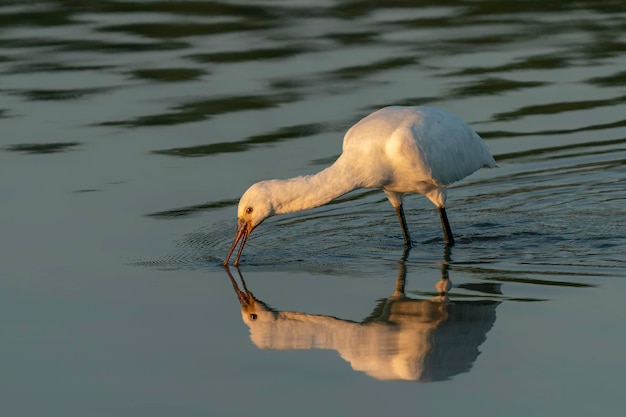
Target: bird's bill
242,233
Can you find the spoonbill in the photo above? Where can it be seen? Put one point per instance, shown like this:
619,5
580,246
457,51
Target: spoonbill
399,149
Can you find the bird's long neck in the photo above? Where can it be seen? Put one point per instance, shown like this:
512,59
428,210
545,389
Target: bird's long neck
309,191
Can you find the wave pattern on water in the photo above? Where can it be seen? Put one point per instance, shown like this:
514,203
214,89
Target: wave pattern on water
542,82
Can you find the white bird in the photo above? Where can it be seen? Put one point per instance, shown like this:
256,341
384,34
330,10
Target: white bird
398,149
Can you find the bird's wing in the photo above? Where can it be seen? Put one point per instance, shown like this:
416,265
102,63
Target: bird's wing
449,147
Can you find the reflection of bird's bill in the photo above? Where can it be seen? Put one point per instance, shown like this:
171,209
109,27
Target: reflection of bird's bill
242,233
246,298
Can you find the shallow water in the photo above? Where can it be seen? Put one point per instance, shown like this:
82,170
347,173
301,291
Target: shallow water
130,129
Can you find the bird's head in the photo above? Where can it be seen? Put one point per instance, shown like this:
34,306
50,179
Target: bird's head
254,206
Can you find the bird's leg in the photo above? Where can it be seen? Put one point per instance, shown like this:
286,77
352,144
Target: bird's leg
447,232
405,230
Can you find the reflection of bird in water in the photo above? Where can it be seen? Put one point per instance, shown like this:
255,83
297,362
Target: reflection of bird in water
397,149
403,338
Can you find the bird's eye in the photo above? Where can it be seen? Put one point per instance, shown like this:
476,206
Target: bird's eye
253,316
249,210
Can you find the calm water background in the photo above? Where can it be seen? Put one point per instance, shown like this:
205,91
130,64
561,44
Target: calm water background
128,130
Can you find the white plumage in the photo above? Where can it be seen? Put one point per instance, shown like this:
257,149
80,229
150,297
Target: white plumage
397,149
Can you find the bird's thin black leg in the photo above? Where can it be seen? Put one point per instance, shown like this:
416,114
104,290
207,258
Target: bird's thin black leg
405,229
447,232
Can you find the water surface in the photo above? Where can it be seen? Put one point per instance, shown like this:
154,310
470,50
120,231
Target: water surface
130,129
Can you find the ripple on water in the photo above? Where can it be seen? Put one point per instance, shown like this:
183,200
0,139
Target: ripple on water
42,148
541,82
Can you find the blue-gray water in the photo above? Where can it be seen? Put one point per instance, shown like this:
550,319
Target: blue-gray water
128,130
